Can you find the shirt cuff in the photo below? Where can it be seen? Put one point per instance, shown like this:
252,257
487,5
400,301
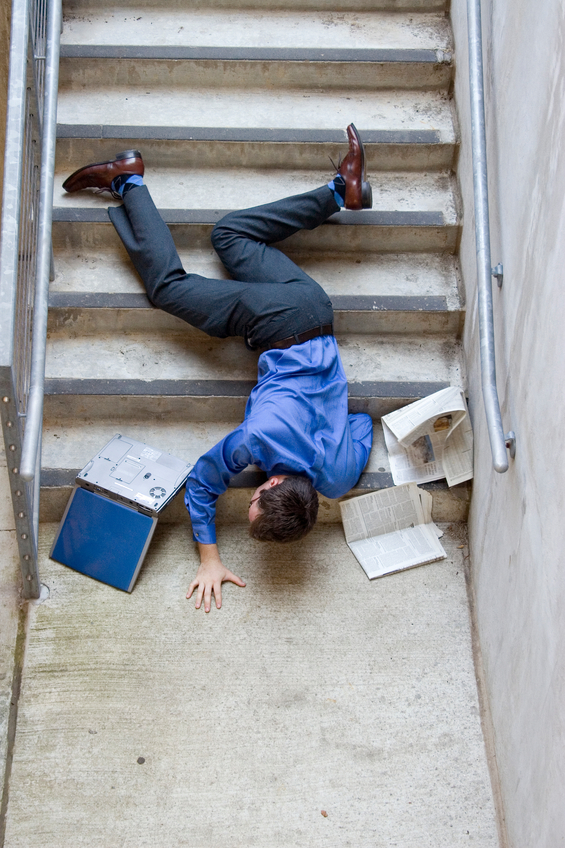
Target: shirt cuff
204,535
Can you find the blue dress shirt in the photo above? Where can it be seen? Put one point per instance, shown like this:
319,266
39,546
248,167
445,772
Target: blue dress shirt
296,422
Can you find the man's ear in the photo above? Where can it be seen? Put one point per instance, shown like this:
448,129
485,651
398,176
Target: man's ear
274,481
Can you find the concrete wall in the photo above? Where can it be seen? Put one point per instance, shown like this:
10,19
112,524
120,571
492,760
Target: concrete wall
516,522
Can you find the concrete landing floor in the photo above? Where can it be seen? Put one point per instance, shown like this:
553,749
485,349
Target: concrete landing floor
315,708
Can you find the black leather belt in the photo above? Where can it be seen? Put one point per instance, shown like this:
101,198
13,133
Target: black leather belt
299,338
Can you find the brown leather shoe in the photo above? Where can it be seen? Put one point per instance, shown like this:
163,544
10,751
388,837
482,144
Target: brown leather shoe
358,193
101,174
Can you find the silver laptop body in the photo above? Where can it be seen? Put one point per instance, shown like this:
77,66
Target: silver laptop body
135,474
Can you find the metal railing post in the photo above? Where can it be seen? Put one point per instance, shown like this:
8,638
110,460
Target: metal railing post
25,255
499,442
17,129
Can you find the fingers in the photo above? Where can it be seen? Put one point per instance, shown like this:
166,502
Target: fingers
200,593
233,578
205,589
208,589
201,588
207,597
191,588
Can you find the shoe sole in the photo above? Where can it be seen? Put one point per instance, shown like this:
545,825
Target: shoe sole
125,154
362,149
366,190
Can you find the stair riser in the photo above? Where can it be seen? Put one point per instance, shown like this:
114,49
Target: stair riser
234,504
92,321
122,408
432,153
362,238
399,322
141,75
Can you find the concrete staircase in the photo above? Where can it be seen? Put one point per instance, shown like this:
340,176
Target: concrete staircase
233,105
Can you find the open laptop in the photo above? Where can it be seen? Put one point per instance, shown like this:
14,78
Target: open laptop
113,510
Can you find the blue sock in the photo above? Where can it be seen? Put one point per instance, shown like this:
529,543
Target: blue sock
125,182
337,185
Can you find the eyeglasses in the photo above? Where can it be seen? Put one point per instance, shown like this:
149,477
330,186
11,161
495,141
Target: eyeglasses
252,501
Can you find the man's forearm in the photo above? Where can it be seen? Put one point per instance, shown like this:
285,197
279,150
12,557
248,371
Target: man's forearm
208,553
210,478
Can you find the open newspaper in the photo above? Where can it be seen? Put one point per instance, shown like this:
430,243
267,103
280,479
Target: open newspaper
392,529
430,439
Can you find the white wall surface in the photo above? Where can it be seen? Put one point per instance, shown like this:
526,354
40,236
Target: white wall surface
517,519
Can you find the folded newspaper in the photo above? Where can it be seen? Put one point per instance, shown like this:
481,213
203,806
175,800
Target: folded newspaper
430,439
392,529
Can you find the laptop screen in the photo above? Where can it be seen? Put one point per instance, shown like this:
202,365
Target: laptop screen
103,539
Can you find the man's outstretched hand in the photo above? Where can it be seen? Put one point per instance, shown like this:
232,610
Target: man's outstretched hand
209,578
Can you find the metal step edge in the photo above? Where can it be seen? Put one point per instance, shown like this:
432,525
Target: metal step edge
258,54
212,216
250,134
341,303
224,388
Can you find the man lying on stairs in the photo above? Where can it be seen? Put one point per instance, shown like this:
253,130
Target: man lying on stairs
296,428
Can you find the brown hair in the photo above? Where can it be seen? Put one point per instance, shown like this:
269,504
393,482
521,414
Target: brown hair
288,511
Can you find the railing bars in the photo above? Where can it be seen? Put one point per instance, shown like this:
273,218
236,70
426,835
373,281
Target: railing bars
34,418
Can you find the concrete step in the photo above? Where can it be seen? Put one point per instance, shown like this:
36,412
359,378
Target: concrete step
212,25
411,211
69,442
244,100
202,194
167,349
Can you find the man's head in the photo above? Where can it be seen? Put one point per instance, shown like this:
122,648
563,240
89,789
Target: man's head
284,509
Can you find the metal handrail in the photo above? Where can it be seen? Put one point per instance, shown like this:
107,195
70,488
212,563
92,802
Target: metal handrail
25,242
32,439
499,441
